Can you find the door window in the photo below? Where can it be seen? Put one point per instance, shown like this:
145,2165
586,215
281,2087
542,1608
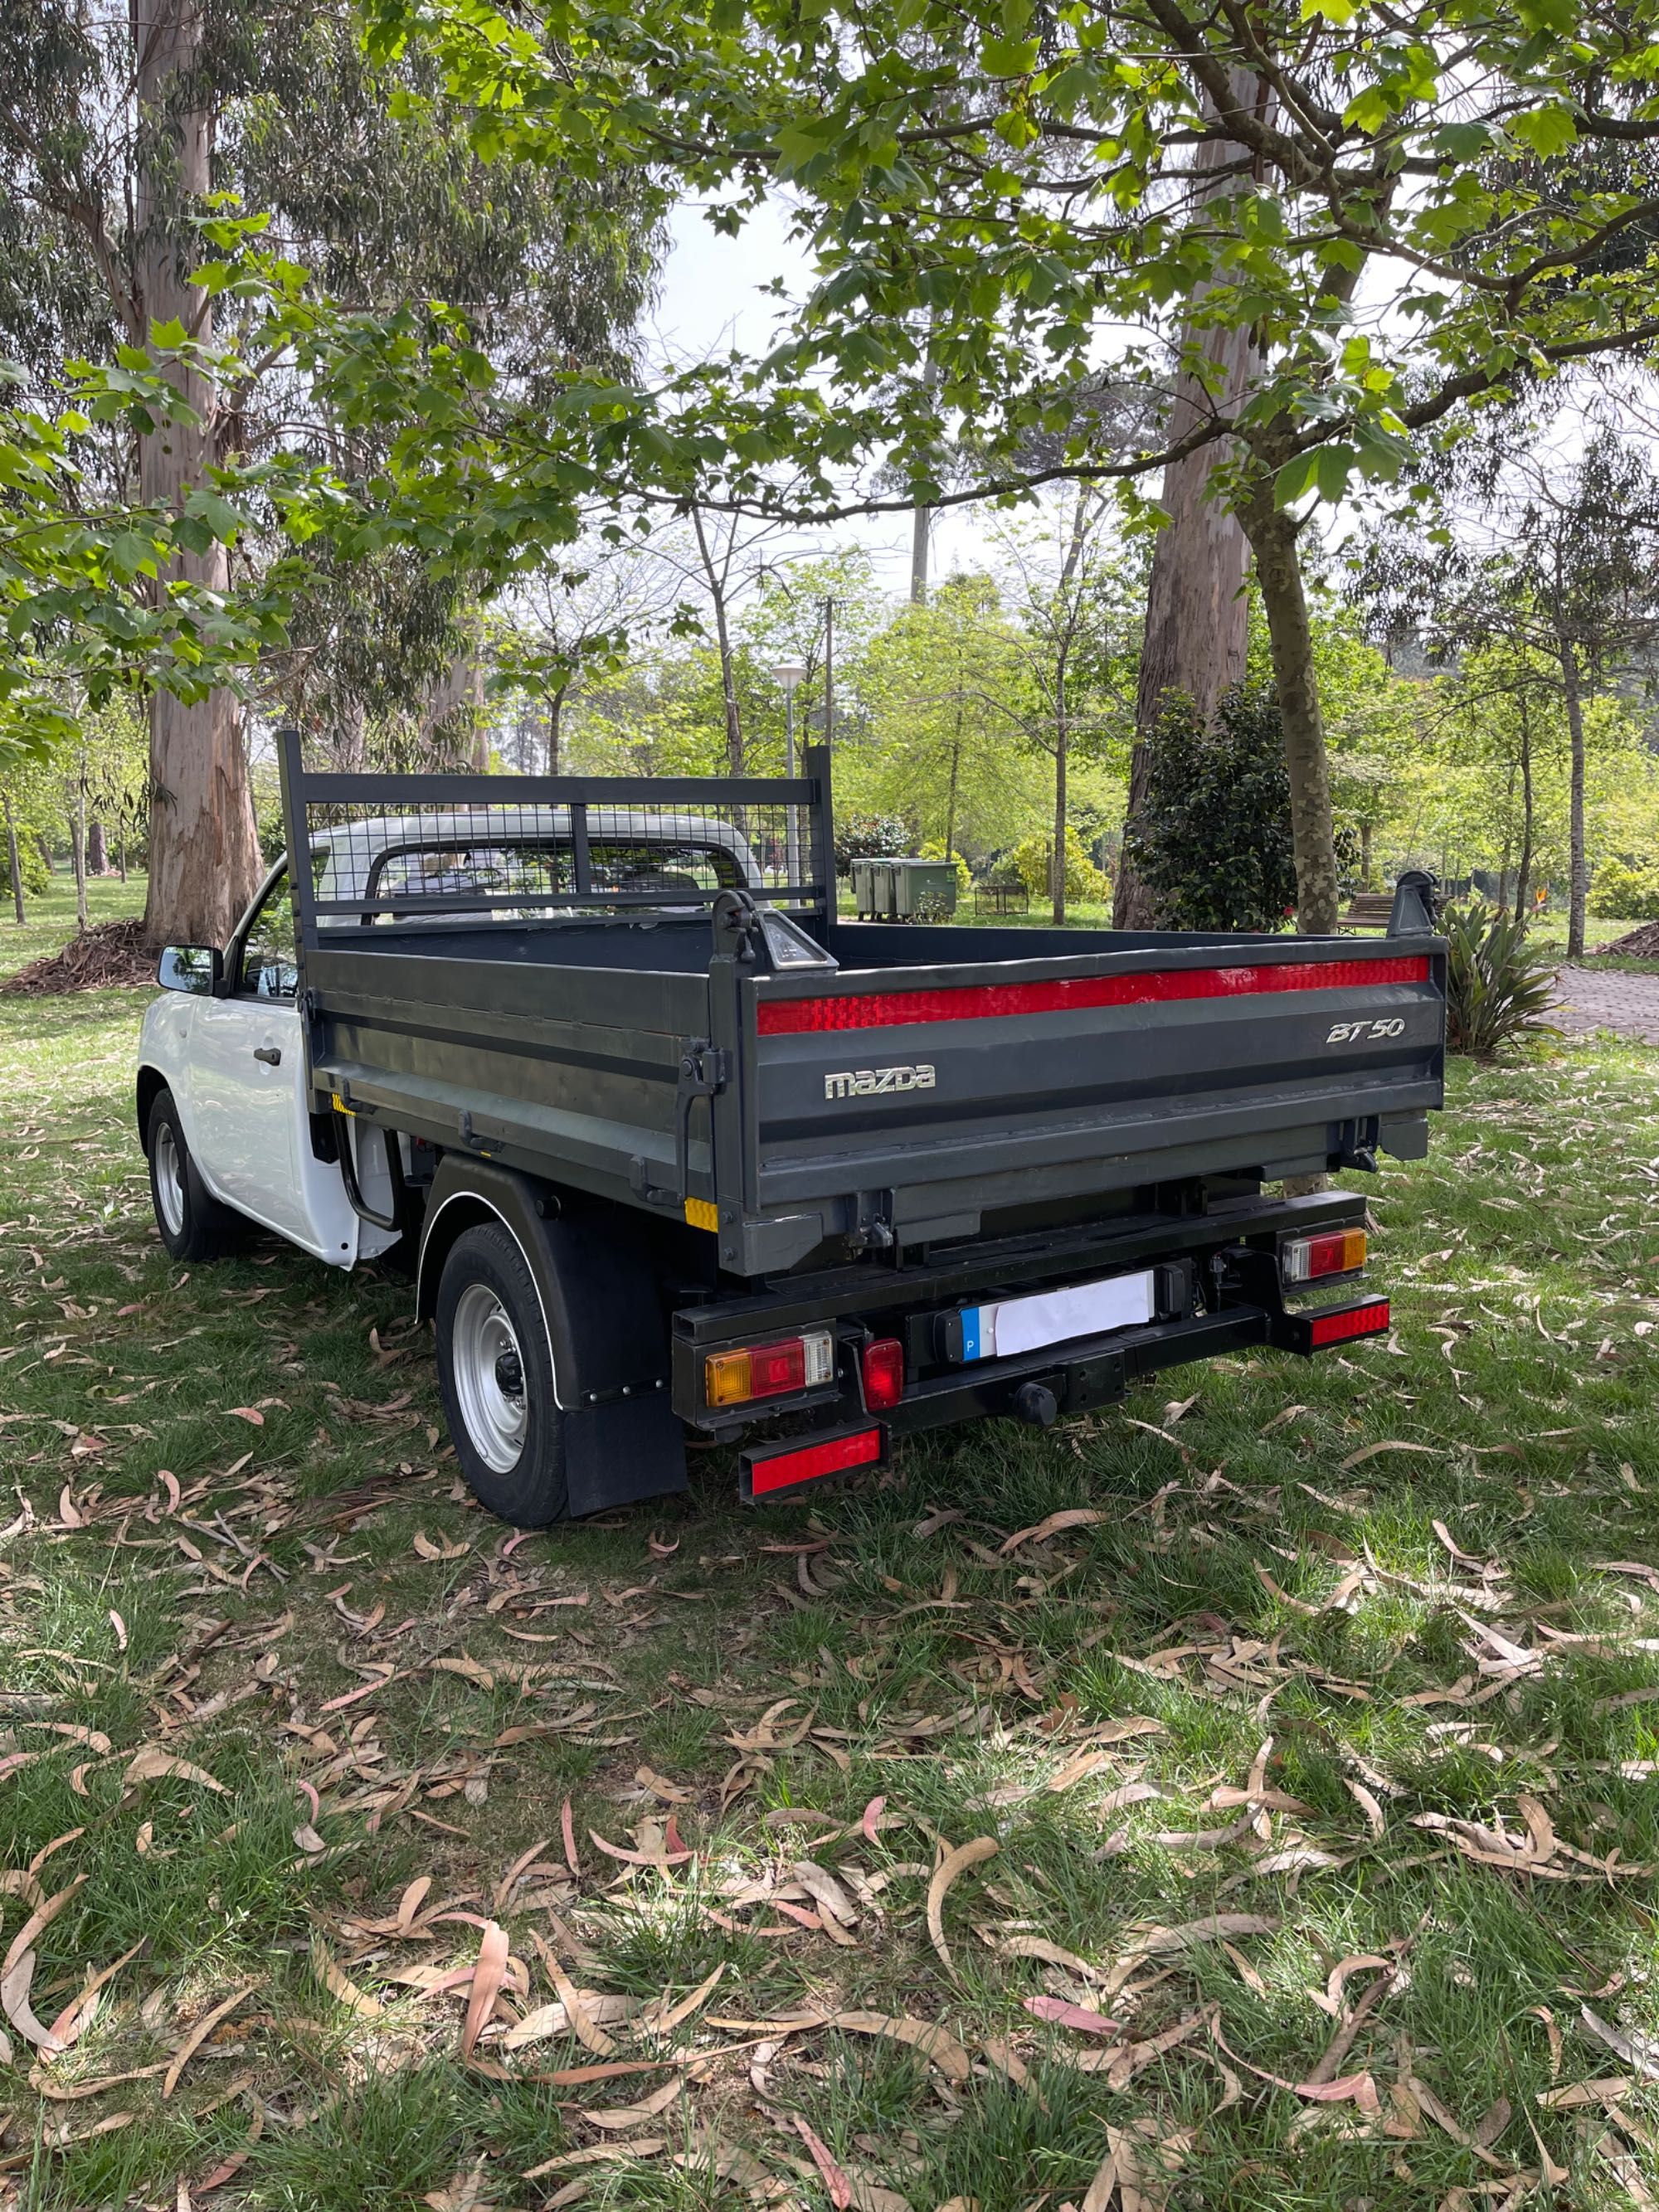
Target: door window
269,966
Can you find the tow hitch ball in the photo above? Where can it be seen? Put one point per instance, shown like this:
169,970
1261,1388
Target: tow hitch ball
1036,1404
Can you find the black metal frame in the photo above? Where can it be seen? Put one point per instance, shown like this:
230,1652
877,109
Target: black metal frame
305,788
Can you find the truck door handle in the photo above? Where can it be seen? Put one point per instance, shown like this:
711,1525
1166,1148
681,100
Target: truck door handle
270,1053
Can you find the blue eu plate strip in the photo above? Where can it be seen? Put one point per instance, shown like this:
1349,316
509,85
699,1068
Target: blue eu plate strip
970,1346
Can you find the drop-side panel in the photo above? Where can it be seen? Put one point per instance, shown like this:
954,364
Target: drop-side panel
1028,1077
569,1070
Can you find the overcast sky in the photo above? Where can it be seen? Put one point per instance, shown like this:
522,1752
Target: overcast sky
713,299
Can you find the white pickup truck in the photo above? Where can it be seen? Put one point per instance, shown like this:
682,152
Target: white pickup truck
673,1146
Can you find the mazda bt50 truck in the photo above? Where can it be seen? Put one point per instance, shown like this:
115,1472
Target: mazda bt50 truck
669,1147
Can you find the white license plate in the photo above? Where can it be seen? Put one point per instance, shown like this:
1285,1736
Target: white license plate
1014,1325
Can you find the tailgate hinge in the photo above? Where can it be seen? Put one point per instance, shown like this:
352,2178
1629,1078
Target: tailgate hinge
705,1069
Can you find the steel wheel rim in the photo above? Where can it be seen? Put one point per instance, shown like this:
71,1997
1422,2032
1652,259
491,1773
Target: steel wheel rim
494,1416
170,1181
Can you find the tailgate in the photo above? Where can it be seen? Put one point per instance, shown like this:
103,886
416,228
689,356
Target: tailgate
963,1089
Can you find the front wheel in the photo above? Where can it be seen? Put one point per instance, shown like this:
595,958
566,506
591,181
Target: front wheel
192,1223
495,1378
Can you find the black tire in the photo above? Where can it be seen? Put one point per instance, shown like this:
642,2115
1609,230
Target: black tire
510,1442
192,1223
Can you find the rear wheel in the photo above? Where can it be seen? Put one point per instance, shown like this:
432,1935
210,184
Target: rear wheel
495,1378
192,1223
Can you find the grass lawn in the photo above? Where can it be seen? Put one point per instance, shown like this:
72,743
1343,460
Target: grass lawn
1278,1827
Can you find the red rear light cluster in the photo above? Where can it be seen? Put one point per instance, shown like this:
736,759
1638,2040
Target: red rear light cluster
1334,1252
748,1371
1370,1319
883,1373
783,1470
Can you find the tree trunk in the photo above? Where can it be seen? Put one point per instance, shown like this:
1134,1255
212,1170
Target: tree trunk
554,716
920,527
723,639
1578,875
203,850
955,771
77,815
121,850
1364,856
1197,616
1057,887
1279,578
16,865
97,857
45,851
1524,872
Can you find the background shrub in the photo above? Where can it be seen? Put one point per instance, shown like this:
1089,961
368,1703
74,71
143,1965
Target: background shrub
1214,844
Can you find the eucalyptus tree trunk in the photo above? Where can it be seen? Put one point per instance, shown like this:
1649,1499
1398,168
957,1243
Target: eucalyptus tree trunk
1524,872
77,814
15,860
1579,868
1197,616
1272,535
715,572
203,851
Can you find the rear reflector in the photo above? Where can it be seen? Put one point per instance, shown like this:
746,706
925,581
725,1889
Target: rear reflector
1073,994
783,1470
883,1373
1370,1319
1335,1252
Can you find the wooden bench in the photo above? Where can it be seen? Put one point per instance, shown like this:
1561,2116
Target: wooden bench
1368,910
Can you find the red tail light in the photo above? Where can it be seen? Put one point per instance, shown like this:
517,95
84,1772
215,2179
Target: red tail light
1333,1252
883,1373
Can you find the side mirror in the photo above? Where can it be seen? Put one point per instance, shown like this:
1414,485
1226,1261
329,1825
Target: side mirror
197,968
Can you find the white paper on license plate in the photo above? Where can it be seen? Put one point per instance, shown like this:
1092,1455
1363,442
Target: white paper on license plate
1014,1325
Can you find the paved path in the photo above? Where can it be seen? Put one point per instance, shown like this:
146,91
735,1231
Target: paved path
1608,998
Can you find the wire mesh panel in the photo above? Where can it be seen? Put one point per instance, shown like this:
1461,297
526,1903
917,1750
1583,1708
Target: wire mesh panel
387,849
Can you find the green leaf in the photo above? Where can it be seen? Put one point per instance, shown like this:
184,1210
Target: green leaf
1544,130
1369,110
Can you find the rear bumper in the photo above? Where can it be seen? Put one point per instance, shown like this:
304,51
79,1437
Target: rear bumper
1236,1304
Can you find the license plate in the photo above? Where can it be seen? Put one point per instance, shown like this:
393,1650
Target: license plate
1009,1326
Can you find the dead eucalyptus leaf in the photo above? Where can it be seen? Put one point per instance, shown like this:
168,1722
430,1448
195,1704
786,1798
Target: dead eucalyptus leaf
956,1862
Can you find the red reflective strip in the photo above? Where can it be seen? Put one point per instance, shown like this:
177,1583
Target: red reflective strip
1359,1321
974,1002
783,1469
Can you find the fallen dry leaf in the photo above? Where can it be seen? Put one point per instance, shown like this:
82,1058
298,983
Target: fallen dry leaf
152,1764
586,2029
14,2003
839,2187
957,1863
1067,2014
486,1983
620,2117
42,1917
1069,1517
199,2034
935,2042
339,1984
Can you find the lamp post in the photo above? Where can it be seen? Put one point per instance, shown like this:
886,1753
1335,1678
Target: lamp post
789,674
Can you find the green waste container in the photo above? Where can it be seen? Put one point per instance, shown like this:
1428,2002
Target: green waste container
908,889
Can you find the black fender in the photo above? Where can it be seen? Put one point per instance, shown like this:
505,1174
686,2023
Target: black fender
607,1334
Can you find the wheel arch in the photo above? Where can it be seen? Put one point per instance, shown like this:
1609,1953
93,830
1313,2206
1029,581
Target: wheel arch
450,1214
151,1083
607,1334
